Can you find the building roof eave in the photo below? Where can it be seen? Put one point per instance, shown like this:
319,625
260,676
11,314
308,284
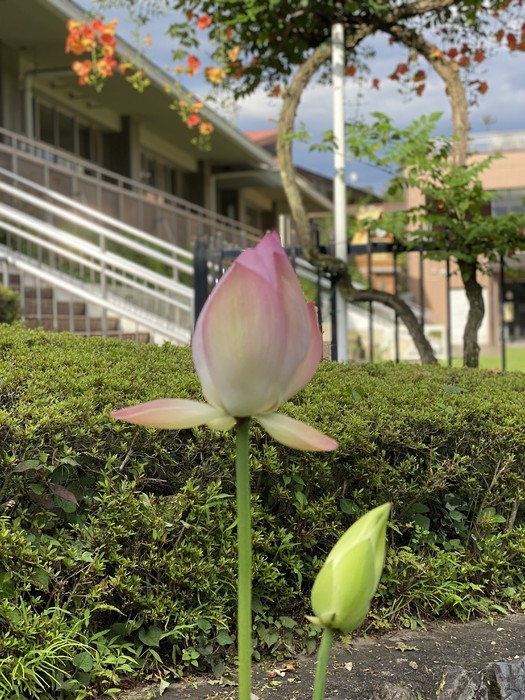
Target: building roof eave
314,194
256,158
159,78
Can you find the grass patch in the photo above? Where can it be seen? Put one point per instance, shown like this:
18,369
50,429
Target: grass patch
515,360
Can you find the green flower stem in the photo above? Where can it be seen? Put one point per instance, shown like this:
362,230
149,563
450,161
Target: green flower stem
244,544
322,663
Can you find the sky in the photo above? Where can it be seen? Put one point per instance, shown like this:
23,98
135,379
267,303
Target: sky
502,108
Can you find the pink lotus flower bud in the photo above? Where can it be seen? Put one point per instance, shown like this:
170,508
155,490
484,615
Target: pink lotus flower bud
256,344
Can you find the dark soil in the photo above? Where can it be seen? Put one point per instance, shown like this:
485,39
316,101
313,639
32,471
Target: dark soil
416,661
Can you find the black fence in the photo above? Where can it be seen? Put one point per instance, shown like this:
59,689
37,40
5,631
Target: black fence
211,262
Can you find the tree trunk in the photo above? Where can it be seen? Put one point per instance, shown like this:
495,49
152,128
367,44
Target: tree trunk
449,72
335,267
475,315
405,313
285,134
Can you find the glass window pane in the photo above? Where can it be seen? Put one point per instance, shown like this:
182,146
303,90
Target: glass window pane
66,132
45,123
84,141
507,201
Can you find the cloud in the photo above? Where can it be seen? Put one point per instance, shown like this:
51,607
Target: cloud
502,108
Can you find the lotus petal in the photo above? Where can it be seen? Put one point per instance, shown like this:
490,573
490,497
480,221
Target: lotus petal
295,434
171,414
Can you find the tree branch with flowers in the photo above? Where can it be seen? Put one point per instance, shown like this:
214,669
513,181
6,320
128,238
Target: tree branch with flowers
283,46
97,39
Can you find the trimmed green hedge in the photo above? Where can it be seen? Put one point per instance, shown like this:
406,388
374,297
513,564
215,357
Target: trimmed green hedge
9,305
117,544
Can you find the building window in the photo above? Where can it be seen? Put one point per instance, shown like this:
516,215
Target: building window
148,170
44,123
62,130
85,141
66,132
507,201
253,217
158,173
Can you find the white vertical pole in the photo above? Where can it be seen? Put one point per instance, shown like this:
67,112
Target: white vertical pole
340,222
28,107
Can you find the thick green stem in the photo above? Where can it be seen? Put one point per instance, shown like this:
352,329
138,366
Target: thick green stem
244,544
322,663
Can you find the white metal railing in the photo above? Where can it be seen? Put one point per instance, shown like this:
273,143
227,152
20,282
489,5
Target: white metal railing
307,271
109,228
98,313
494,141
92,257
159,213
103,262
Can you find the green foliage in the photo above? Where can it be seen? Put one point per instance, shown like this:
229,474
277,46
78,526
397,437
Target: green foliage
117,543
392,148
277,36
9,305
453,219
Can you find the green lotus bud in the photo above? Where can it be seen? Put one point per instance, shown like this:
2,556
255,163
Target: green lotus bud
347,582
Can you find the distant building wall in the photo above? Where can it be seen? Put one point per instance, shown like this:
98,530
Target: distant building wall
506,177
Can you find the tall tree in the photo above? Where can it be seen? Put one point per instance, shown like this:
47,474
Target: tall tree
282,45
473,28
461,52
451,221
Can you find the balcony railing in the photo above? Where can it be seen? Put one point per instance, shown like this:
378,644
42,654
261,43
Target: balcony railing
96,260
163,215
498,141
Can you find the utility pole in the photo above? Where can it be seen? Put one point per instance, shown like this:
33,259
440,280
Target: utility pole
340,205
